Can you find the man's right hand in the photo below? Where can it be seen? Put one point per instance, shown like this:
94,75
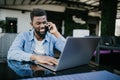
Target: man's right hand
44,59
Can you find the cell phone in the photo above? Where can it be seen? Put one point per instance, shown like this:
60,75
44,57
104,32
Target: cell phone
47,28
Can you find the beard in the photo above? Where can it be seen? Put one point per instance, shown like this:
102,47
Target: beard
42,35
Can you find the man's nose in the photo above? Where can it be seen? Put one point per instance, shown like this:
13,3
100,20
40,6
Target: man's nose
42,25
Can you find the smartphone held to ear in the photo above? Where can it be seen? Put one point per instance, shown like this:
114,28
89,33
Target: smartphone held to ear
47,27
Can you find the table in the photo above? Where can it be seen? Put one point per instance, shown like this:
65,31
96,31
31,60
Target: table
98,75
24,70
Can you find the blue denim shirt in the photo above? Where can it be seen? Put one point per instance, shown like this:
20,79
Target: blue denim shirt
24,44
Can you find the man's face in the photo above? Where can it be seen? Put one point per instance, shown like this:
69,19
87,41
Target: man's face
38,24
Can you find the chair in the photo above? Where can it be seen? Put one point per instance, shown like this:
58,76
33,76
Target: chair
106,43
6,40
116,41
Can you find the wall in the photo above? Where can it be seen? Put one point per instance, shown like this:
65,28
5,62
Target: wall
23,19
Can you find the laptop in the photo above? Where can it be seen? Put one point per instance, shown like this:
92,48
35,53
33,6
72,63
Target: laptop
77,51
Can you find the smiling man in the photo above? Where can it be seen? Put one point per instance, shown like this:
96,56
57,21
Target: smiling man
38,44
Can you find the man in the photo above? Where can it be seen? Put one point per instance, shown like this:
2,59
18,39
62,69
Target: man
38,44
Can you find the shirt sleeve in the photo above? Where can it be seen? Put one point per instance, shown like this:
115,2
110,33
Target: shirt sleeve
60,43
16,50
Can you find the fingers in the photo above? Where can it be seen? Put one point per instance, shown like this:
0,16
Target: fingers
53,61
47,60
52,26
50,61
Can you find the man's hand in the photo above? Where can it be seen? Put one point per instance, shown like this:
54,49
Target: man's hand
53,29
44,59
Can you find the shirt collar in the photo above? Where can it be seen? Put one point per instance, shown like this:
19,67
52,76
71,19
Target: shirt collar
32,36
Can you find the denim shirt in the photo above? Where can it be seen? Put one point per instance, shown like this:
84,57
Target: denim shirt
24,44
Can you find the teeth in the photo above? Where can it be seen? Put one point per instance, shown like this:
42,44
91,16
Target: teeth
42,29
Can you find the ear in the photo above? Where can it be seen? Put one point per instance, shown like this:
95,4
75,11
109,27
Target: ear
31,23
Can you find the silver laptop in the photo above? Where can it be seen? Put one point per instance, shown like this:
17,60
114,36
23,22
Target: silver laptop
77,51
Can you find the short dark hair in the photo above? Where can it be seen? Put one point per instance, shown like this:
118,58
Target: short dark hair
37,12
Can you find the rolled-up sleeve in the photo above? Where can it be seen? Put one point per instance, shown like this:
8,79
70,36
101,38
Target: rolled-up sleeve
18,55
16,51
60,43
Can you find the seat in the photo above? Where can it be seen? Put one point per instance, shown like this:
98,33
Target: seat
116,41
105,45
6,40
